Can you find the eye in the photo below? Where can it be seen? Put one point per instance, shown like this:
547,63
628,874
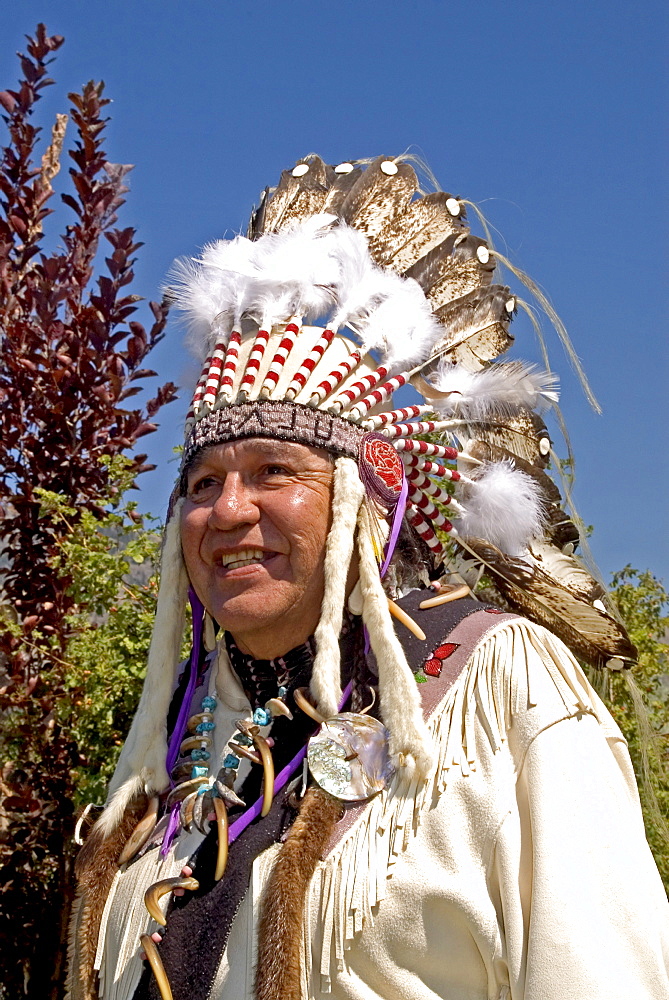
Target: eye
201,485
276,470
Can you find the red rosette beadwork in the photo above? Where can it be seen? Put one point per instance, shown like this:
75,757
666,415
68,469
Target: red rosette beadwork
434,665
381,469
443,652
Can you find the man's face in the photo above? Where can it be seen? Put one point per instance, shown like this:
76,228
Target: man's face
253,530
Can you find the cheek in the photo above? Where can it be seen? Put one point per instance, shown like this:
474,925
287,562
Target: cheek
306,522
191,537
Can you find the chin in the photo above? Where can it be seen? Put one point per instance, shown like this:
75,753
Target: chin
268,626
254,612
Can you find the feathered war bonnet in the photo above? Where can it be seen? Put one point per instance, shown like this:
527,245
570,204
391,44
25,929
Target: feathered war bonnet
358,248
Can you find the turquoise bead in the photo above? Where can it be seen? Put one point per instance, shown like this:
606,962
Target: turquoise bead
262,717
199,771
231,761
200,755
208,704
243,740
283,691
205,727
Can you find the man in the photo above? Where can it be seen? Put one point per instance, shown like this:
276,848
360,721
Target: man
474,835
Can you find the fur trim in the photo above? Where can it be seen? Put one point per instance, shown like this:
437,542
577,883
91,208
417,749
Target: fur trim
145,749
278,972
95,868
410,743
348,494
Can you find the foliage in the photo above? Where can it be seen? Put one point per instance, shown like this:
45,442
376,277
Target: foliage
639,699
113,564
71,356
111,561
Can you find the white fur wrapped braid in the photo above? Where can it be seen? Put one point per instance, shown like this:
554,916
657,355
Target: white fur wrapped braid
348,494
410,744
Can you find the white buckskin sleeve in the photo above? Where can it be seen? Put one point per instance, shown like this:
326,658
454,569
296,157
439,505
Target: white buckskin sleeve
582,907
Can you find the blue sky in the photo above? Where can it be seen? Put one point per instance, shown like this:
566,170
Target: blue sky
550,116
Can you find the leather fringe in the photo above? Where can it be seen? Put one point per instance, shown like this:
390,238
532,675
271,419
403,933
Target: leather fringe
498,682
96,866
282,906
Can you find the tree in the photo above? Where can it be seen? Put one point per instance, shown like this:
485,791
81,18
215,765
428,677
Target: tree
639,699
71,356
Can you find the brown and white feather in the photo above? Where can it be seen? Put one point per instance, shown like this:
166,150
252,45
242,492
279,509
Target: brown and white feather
453,269
377,198
426,223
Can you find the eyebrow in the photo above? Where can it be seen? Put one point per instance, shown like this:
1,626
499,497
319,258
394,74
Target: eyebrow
275,445
194,464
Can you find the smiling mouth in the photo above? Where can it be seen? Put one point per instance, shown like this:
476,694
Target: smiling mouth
247,557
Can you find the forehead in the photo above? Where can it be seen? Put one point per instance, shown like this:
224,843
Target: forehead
250,451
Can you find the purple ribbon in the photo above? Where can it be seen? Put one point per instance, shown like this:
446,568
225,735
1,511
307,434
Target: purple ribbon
170,829
391,544
246,818
400,511
177,736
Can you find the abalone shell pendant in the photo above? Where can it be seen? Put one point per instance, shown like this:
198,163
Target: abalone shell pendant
349,758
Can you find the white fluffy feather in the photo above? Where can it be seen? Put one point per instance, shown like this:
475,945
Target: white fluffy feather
503,506
291,273
236,255
213,291
389,313
402,327
499,390
301,271
360,283
297,271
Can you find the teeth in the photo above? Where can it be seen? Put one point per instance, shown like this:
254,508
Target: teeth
244,558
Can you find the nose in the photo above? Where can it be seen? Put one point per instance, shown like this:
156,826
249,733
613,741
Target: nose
234,506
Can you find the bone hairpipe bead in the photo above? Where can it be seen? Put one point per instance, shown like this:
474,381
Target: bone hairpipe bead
450,595
401,615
